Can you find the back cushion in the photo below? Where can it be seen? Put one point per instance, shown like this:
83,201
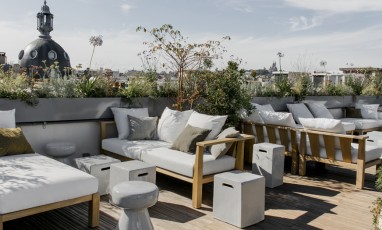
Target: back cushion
319,110
299,111
368,111
7,119
278,118
324,125
213,123
255,117
122,122
172,123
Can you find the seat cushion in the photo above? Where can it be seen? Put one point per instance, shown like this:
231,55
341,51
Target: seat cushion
372,152
183,163
132,149
362,123
32,180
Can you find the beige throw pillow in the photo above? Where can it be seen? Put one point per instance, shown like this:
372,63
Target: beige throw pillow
186,141
221,149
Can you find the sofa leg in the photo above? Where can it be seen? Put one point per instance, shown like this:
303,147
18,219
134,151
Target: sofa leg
302,166
93,214
360,179
1,222
197,190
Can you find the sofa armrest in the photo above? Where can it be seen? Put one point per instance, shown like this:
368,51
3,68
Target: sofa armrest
242,137
108,129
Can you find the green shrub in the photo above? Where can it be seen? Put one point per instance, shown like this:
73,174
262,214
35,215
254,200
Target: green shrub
222,94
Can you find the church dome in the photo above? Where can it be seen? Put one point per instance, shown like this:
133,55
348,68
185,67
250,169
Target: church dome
43,49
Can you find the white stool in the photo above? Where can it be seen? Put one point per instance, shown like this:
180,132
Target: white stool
268,161
60,150
132,170
99,167
239,198
134,197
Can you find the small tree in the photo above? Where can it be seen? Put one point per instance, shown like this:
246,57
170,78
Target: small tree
178,54
223,93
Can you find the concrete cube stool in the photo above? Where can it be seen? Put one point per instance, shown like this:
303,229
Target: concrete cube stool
132,170
268,161
99,167
239,198
134,197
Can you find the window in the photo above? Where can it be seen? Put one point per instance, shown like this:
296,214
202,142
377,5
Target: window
52,55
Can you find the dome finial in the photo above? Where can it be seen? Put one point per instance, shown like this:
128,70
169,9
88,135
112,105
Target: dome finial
44,2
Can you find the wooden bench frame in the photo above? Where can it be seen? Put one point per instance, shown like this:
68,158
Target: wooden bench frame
287,135
198,179
93,218
329,141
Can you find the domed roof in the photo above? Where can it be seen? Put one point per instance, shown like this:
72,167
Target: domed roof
43,49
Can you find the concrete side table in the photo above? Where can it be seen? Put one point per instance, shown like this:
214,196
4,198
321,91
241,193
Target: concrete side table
268,161
239,198
134,197
133,170
99,167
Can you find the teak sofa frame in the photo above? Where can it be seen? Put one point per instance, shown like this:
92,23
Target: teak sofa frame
198,179
329,146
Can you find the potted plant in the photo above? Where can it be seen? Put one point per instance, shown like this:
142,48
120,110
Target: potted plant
377,204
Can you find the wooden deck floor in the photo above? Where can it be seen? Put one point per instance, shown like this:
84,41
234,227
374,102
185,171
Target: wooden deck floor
313,202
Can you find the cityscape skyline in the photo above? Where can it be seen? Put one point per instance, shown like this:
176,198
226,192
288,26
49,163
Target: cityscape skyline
341,33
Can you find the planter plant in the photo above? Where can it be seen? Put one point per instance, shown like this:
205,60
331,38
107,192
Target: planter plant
377,204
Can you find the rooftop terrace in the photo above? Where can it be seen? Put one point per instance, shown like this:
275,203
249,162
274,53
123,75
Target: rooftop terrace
319,201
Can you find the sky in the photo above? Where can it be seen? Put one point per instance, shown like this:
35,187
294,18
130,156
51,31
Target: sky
343,33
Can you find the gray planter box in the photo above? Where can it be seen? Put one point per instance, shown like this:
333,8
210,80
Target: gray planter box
368,100
62,109
331,101
278,103
155,105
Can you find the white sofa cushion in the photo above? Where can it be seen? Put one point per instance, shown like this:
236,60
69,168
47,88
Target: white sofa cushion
7,119
348,126
277,118
368,111
323,124
299,111
255,116
172,123
372,152
32,180
132,149
319,110
183,163
214,123
362,123
121,121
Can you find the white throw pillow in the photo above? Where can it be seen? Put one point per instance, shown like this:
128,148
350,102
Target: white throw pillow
255,117
219,150
299,111
214,123
323,124
7,119
368,111
319,110
172,123
122,122
277,118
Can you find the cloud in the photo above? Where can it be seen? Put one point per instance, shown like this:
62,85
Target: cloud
246,6
126,7
303,23
340,6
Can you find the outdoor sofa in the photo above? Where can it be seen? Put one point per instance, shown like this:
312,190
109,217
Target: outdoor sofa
31,183
156,146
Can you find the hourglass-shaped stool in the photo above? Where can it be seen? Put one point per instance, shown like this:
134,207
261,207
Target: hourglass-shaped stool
134,197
